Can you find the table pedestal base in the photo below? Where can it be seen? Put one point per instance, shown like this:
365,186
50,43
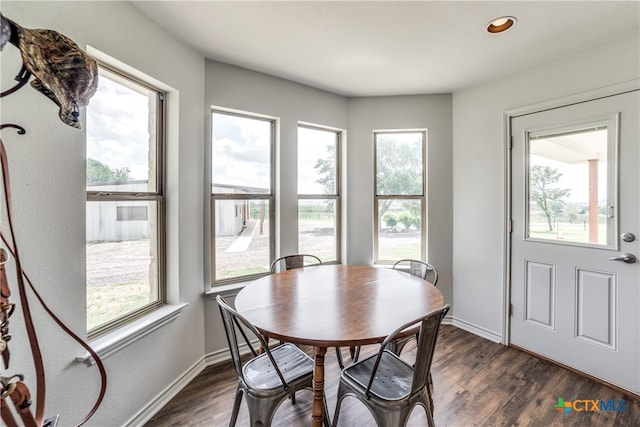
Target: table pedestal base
317,409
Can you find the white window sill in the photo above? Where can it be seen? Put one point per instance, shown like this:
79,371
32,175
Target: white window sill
115,341
226,291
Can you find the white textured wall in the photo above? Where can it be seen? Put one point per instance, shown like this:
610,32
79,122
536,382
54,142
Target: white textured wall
48,177
479,168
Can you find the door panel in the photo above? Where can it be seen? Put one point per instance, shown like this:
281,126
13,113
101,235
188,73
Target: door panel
575,191
540,293
596,308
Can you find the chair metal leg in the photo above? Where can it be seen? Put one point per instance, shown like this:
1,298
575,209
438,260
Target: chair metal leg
327,420
261,410
339,357
236,407
430,393
430,420
355,353
336,414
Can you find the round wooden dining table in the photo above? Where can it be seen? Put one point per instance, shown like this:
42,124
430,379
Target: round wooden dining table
334,306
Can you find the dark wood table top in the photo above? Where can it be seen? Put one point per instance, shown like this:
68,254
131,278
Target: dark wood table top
336,305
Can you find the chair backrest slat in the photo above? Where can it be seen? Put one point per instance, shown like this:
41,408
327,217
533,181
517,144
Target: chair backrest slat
294,261
418,268
233,321
426,345
427,337
232,340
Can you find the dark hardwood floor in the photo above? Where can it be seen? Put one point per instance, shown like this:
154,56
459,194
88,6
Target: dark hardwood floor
477,383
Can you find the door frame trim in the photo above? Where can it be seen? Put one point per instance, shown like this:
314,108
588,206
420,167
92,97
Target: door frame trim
507,117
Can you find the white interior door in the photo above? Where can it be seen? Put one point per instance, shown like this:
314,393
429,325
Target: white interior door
575,206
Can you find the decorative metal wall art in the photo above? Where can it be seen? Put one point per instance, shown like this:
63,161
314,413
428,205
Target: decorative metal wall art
69,77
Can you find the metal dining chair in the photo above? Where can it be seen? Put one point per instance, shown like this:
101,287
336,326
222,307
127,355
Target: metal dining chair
421,269
389,386
418,268
268,378
295,261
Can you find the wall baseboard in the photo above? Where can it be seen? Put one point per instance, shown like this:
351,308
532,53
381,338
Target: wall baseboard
154,406
220,356
146,413
477,330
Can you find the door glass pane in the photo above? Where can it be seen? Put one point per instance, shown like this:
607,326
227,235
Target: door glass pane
317,228
569,187
399,234
399,168
122,269
241,237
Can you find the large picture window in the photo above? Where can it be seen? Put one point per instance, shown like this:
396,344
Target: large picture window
125,201
400,183
318,192
242,182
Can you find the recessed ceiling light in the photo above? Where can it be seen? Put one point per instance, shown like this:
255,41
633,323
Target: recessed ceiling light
501,24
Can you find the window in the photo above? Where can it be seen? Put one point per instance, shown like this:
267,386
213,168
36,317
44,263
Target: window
242,182
318,192
400,182
125,201
132,213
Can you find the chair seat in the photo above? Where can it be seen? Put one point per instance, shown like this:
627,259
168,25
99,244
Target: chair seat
393,379
294,364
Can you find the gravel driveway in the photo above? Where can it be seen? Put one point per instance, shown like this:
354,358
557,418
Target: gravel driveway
118,262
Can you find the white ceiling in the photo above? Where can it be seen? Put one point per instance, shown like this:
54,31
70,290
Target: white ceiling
375,48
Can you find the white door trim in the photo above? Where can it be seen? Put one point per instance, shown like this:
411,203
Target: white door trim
508,116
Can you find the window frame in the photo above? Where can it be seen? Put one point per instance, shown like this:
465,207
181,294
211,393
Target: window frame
378,197
270,197
158,197
336,196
